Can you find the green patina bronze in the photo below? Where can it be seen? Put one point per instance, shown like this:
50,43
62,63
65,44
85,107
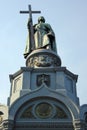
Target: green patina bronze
44,37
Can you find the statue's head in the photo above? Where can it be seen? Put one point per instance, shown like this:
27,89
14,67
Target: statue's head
41,19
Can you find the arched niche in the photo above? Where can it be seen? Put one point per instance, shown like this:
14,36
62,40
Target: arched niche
43,109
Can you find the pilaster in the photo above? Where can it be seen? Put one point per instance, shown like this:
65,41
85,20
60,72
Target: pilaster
79,125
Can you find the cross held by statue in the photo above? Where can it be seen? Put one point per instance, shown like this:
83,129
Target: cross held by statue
30,26
30,11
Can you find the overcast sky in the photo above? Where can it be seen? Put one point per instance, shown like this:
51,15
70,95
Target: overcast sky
68,19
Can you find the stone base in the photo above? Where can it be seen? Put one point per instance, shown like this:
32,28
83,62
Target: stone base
43,58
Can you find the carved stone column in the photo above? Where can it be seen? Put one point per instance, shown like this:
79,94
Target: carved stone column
79,125
8,124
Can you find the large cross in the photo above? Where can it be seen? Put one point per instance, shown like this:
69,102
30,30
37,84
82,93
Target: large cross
31,32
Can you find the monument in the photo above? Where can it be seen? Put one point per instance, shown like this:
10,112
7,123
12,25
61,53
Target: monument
43,94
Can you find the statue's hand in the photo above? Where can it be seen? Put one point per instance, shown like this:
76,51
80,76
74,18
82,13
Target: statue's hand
50,35
29,21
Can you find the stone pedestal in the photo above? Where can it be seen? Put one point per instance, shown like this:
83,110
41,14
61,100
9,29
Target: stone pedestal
43,58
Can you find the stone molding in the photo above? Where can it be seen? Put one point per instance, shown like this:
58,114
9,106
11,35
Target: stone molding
44,125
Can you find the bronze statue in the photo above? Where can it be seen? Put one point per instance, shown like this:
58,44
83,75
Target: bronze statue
40,35
44,37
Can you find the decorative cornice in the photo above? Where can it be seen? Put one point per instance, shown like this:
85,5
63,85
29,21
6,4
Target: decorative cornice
53,69
44,125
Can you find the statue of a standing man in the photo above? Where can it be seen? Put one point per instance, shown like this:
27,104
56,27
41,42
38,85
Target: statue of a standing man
44,37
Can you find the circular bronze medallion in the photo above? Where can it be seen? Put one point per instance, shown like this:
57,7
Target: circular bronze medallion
43,110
